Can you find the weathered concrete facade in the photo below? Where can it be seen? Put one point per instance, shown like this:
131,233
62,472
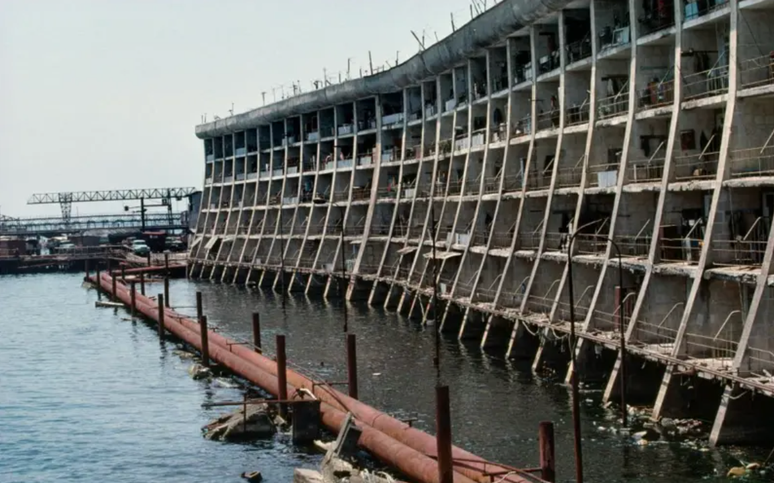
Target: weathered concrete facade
648,123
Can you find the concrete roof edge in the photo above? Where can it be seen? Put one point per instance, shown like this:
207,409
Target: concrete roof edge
486,29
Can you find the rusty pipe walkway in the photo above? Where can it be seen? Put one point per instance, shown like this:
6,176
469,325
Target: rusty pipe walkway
391,441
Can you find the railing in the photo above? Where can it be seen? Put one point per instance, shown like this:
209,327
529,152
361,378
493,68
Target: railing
341,195
502,239
710,82
685,249
381,230
548,120
696,166
445,146
653,21
611,322
646,170
473,187
663,333
742,251
578,114
390,192
455,187
756,72
760,361
523,126
658,94
696,9
530,240
580,49
492,183
361,193
498,133
746,163
538,180
615,105
513,182
721,347
570,177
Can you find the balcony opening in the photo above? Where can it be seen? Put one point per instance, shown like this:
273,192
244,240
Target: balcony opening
548,49
327,123
311,128
292,131
478,74
614,97
741,232
345,119
392,110
577,31
414,100
209,151
461,86
696,8
366,114
498,67
252,141
655,15
522,64
614,28
264,137
228,145
431,99
699,151
681,234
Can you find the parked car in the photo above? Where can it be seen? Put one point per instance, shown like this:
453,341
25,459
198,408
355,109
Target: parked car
140,248
174,245
65,247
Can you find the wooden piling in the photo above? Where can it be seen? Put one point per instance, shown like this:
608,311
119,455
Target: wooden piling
205,341
282,378
352,365
443,435
257,332
547,458
160,302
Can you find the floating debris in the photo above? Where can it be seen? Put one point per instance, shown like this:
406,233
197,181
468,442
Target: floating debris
240,425
198,371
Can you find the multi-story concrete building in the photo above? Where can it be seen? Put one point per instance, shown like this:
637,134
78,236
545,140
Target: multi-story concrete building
648,123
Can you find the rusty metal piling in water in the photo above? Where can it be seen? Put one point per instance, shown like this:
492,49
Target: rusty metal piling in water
199,306
205,341
142,283
282,377
352,365
160,302
443,434
257,332
134,298
123,273
113,279
547,456
166,292
99,288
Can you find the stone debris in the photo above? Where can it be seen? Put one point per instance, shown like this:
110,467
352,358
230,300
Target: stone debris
256,423
198,371
184,354
252,476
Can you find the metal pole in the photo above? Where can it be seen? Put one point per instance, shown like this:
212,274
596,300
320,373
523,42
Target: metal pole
142,218
86,269
573,374
134,298
113,280
547,456
443,436
199,306
352,365
437,358
343,271
205,341
160,301
99,283
166,263
123,273
257,332
142,283
166,292
282,374
282,255
622,333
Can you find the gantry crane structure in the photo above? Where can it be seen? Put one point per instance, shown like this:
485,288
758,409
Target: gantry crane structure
66,199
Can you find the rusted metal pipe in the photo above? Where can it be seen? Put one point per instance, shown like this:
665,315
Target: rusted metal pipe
205,348
160,303
282,377
257,332
381,432
352,365
547,456
443,434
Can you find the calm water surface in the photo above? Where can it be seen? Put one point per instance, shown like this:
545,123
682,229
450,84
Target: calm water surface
86,395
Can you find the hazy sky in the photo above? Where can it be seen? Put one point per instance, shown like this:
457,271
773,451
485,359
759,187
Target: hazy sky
105,94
